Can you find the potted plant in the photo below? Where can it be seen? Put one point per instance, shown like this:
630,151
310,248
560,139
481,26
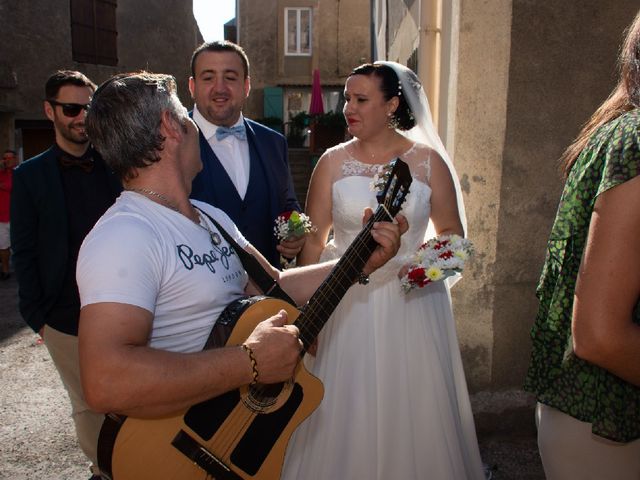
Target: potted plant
327,130
297,129
274,123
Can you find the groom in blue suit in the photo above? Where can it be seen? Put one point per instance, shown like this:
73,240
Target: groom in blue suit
245,164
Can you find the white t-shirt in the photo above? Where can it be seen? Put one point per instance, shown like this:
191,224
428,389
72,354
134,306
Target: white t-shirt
144,254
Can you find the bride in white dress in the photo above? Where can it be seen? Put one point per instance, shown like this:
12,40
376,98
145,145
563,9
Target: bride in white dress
395,404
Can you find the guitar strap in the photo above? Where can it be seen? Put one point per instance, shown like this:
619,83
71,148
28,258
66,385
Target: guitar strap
258,274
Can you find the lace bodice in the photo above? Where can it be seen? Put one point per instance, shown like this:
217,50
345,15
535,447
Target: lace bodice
418,158
352,193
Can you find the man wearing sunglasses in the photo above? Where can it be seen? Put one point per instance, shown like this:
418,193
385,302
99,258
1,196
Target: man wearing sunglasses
57,197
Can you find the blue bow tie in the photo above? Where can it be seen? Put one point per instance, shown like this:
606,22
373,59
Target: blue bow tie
238,131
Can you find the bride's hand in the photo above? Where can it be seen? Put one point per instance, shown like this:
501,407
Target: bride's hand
403,271
387,234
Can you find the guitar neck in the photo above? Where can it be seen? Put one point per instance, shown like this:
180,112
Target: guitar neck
315,313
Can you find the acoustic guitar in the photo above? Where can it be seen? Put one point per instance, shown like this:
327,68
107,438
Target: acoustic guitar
243,434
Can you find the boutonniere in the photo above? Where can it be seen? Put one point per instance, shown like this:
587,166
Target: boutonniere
435,260
288,225
292,224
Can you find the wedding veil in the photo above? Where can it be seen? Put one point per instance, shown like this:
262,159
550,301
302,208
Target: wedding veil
424,131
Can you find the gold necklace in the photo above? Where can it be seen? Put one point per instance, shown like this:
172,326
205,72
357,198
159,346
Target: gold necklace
163,199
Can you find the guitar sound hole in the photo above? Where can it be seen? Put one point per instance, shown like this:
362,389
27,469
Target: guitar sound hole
264,431
261,397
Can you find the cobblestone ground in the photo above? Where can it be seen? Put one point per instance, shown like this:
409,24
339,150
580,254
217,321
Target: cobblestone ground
37,440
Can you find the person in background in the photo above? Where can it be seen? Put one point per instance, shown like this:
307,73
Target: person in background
395,402
57,198
245,164
585,361
9,161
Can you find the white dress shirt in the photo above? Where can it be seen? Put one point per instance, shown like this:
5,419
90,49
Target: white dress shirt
232,153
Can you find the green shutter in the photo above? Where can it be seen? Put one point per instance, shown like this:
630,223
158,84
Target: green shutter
273,102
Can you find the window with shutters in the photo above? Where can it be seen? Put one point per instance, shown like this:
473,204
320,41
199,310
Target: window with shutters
94,36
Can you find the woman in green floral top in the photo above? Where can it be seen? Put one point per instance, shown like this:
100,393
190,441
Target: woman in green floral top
585,364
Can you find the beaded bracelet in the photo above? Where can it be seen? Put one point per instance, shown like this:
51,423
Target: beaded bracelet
254,363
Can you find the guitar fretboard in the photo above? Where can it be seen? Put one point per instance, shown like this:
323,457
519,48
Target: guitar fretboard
315,313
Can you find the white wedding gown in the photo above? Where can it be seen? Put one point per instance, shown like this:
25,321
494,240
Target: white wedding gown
395,403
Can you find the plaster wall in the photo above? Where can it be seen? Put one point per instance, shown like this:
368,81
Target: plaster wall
262,40
341,41
562,66
480,121
529,74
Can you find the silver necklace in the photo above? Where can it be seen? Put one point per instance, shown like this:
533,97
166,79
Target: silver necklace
213,236
163,199
202,222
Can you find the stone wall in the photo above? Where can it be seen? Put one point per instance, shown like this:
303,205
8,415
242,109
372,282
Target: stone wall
156,36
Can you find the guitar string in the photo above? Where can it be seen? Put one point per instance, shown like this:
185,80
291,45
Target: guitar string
357,244
313,326
228,434
242,418
359,247
320,306
227,438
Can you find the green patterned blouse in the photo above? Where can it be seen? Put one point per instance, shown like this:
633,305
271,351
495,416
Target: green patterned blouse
557,377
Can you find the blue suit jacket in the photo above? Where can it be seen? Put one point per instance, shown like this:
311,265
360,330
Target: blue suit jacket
268,156
40,234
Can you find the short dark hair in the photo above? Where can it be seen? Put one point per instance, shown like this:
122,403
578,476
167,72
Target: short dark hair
8,150
220,46
390,87
123,121
66,77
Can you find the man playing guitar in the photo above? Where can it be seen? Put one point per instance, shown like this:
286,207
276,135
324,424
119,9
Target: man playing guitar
155,273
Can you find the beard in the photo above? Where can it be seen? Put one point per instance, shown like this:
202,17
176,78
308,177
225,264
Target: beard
221,115
74,132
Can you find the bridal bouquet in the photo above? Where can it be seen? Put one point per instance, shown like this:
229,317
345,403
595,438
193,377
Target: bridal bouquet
435,260
292,224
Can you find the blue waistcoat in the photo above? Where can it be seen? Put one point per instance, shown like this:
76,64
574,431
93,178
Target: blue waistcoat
269,193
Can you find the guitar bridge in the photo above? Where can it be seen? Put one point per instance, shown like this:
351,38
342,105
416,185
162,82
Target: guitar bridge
202,457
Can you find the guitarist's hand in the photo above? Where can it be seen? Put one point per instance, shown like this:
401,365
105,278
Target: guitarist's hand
276,347
387,234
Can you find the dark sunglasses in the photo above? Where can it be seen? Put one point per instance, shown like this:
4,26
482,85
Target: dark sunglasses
70,109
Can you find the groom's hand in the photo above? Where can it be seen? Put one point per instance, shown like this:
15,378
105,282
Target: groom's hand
291,247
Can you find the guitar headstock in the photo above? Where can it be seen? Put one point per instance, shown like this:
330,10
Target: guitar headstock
393,192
